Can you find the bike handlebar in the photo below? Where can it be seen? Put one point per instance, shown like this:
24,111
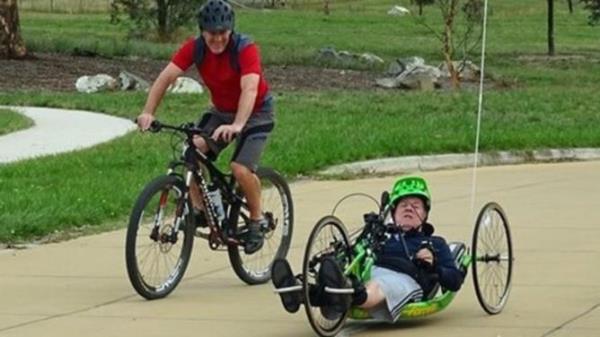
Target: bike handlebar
189,129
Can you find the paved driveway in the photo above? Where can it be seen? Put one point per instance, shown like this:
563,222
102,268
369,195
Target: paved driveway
80,287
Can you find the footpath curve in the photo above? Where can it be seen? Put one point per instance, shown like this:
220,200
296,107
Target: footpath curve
59,130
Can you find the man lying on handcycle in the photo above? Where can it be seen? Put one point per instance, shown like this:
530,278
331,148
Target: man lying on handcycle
409,264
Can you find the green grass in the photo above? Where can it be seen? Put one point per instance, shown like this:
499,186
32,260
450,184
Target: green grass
550,103
293,37
11,121
65,6
99,185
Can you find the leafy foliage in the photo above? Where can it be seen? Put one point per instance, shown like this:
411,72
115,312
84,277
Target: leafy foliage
594,7
154,19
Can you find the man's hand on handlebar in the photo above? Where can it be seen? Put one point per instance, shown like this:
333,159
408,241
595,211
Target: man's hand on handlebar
425,255
144,120
226,132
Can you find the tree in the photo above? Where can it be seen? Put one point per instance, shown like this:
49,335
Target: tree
11,43
454,39
550,27
154,19
594,7
326,7
422,3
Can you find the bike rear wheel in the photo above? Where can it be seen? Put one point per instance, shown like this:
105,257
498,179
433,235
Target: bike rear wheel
276,203
156,255
492,258
329,237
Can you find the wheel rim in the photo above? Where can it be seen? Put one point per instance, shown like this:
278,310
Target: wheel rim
327,234
158,258
492,268
274,204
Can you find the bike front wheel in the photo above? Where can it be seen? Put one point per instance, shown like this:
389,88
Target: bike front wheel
277,206
156,253
329,237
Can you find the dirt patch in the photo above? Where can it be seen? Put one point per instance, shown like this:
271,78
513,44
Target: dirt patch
552,58
58,72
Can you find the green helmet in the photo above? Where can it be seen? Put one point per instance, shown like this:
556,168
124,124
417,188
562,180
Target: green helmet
411,186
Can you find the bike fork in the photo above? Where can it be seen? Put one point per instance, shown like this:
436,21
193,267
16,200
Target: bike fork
180,213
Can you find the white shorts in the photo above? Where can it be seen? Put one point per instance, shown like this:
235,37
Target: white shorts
398,288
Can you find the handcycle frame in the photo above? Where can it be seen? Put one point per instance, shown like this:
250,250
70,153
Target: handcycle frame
359,257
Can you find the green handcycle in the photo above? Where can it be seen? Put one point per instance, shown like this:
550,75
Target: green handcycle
490,259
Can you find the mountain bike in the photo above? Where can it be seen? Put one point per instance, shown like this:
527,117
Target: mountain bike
163,224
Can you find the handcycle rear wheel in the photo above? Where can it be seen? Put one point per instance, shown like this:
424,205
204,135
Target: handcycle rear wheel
157,256
328,238
276,203
492,258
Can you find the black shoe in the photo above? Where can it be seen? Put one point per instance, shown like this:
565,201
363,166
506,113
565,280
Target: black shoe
360,292
331,275
254,237
282,277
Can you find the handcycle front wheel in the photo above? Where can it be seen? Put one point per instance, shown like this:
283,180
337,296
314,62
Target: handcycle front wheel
492,258
278,208
156,255
329,237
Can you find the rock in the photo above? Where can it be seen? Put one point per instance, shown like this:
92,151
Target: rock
130,81
411,73
399,66
467,70
420,77
346,56
371,59
387,82
328,54
185,85
419,80
100,82
398,11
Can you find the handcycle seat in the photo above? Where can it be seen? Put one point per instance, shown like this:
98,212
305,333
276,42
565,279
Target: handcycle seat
457,249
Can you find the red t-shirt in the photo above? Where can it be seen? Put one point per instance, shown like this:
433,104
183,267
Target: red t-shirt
222,80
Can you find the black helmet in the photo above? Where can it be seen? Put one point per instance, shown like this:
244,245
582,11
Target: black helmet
216,15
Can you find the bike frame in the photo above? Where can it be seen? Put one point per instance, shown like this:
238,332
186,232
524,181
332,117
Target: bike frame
193,164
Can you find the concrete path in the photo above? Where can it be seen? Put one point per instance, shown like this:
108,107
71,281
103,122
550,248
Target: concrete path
58,130
80,287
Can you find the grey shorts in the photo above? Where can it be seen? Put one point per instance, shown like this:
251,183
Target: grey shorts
250,143
399,289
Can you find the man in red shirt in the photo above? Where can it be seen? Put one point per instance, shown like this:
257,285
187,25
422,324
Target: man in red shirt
229,65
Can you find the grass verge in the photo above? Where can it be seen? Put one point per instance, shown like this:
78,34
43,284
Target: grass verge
11,121
314,130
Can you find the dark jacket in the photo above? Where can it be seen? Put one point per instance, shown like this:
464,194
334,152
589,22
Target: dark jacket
396,256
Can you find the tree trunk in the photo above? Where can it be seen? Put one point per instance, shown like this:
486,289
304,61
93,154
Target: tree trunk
11,43
551,27
570,3
448,49
163,31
